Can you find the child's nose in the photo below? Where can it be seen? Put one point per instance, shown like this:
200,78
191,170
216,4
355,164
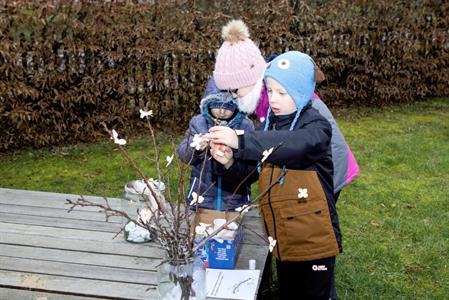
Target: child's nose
273,99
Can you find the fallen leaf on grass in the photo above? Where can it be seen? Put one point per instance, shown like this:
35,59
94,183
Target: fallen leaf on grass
412,269
374,223
88,175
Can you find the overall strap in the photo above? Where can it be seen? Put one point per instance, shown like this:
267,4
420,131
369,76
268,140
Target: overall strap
219,200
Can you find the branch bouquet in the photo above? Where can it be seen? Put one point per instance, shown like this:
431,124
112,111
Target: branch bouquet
166,214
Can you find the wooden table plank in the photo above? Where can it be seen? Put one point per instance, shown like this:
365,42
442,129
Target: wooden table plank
51,200
63,233
118,246
58,201
78,257
252,252
17,294
77,286
109,274
12,218
56,213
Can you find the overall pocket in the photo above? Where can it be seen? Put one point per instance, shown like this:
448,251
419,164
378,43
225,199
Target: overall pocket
308,233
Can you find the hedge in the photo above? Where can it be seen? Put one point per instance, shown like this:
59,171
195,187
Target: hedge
68,66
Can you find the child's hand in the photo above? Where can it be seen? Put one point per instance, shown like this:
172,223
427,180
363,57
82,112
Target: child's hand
220,149
223,135
222,153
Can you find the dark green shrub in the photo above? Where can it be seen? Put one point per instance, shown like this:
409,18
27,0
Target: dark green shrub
67,66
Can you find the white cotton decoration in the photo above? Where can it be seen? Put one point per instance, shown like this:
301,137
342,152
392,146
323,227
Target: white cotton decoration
116,139
272,243
266,153
302,193
196,198
145,113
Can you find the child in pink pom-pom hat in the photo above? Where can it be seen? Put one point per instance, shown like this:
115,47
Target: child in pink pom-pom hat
239,69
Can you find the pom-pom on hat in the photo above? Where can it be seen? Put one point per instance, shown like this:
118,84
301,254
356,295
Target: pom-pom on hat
239,62
295,71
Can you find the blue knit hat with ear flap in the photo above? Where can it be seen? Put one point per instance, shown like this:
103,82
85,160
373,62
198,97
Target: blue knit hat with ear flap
294,70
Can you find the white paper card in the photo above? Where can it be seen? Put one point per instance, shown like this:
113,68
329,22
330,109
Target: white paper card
232,284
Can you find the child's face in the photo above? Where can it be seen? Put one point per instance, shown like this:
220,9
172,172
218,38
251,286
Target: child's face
221,113
280,101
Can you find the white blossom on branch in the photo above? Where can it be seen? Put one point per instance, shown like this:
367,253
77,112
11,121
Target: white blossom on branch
272,243
145,114
197,141
145,215
243,209
118,141
169,160
266,153
196,199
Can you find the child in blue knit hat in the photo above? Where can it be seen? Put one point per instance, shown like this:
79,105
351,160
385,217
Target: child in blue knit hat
299,209
208,190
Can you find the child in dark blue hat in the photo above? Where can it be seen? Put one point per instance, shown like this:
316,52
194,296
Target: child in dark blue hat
215,192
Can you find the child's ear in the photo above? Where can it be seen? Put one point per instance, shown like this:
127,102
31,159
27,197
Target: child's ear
319,75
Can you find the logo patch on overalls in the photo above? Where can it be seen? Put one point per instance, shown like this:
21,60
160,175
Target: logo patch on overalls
319,268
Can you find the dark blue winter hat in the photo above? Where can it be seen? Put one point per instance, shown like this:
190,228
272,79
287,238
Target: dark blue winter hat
218,100
224,105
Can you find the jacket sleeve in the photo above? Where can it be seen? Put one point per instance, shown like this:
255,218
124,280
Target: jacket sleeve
298,148
247,125
239,171
186,153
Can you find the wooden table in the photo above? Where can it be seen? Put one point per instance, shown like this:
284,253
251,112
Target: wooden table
48,254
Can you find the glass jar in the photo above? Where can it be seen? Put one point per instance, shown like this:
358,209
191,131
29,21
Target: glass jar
131,203
182,279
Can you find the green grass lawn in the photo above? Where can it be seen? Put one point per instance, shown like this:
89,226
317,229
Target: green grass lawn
95,169
394,217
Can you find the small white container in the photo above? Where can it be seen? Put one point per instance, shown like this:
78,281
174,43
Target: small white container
252,264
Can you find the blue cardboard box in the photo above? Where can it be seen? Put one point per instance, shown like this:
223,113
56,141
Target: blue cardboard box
219,253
